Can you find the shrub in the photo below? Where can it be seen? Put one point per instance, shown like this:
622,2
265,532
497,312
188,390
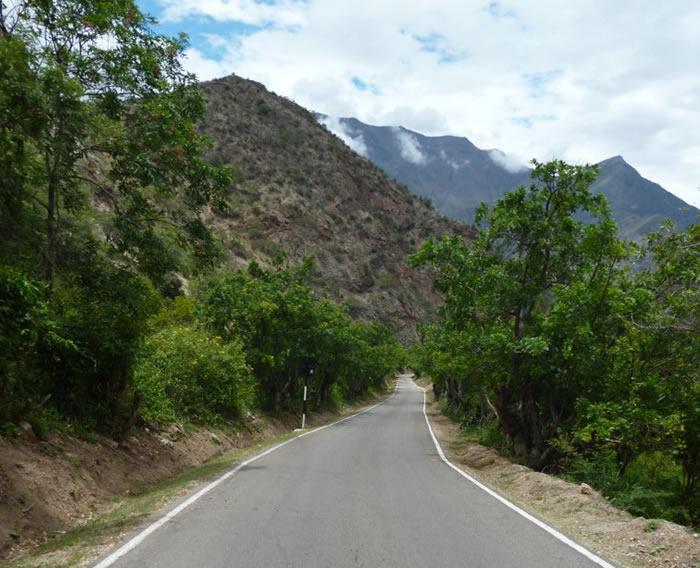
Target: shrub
185,373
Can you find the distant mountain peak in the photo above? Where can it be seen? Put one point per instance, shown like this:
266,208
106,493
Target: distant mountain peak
618,161
457,176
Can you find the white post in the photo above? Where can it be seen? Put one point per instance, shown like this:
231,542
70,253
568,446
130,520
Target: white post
303,414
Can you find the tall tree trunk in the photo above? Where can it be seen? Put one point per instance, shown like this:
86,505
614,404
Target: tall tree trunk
509,421
51,234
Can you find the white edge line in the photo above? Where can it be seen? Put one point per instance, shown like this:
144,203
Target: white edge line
140,537
554,532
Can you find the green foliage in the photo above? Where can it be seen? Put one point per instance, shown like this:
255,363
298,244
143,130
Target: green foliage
88,84
184,373
96,113
532,270
280,321
103,311
26,328
649,488
586,367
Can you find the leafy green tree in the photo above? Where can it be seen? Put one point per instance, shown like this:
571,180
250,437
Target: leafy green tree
280,321
586,366
104,312
102,193
675,334
106,108
21,123
528,295
648,404
269,311
25,327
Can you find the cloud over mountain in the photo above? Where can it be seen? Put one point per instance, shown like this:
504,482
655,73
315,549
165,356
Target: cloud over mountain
344,132
409,147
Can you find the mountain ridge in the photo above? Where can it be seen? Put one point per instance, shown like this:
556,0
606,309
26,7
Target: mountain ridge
457,176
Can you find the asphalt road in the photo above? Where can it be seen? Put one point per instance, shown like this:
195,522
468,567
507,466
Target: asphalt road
370,491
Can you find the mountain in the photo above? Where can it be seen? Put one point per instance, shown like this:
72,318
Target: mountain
457,176
300,190
639,205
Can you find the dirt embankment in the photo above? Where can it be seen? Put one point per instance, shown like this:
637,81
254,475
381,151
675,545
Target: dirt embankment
576,510
48,487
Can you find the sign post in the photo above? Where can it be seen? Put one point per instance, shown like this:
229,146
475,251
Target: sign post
307,365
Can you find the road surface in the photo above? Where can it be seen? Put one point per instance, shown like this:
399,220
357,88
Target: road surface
370,491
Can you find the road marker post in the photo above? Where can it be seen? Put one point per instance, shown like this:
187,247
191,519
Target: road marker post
307,366
303,412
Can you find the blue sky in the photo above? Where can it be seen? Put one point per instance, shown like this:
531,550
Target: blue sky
200,28
582,80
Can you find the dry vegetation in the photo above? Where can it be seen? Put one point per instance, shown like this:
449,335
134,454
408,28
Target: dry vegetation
299,189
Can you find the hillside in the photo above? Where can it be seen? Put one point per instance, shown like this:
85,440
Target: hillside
300,190
457,176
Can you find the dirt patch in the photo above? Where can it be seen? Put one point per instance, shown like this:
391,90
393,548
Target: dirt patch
64,484
576,510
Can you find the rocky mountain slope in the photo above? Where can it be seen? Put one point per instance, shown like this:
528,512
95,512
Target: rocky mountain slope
301,190
457,176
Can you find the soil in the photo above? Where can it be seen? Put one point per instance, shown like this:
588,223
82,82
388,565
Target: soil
577,510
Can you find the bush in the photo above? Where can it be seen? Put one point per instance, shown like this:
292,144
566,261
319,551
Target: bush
642,489
183,373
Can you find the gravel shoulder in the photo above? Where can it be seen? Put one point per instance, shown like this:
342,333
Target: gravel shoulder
576,510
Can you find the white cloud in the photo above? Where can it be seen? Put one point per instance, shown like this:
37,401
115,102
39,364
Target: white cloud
342,131
215,40
410,148
510,163
203,67
251,12
536,79
453,163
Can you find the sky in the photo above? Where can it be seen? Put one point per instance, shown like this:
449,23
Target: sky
581,80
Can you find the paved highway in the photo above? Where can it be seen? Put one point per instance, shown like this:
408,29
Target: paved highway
371,491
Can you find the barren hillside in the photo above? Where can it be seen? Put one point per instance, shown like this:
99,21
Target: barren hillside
300,190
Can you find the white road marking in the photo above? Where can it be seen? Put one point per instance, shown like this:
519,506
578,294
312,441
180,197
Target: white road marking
140,537
554,532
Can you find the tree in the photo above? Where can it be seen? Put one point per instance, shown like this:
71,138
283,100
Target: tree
102,193
105,107
280,321
184,373
674,330
529,295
